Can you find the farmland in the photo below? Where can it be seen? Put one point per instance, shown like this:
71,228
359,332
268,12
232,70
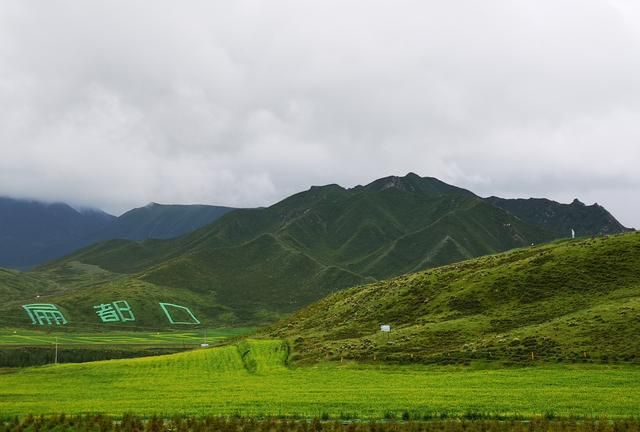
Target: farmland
22,337
252,378
21,348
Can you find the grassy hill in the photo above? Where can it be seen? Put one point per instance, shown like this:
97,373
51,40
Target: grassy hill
575,301
253,378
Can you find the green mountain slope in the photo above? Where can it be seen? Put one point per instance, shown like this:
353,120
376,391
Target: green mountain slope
566,301
358,229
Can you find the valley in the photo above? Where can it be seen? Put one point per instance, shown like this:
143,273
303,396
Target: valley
491,310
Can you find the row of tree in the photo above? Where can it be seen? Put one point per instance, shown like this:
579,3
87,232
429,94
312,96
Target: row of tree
132,423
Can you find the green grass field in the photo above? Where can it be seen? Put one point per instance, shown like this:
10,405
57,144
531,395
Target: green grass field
22,337
251,378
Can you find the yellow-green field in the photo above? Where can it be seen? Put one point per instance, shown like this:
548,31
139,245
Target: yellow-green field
252,378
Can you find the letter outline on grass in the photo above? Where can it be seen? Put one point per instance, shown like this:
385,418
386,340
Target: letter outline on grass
165,308
118,311
44,313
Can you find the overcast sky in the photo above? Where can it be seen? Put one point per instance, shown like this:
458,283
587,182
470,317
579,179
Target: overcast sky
115,104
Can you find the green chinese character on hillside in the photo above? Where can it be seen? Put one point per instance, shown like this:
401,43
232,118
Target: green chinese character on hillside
44,314
177,314
118,311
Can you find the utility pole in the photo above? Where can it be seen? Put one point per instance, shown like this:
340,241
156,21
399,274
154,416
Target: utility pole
56,356
204,343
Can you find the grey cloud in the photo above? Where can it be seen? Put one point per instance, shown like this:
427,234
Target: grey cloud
115,104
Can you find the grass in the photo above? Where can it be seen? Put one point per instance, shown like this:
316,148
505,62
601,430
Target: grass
252,379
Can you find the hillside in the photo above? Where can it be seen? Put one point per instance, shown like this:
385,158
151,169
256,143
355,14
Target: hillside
566,301
32,232
14,284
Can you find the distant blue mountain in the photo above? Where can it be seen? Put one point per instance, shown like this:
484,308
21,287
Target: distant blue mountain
33,232
160,221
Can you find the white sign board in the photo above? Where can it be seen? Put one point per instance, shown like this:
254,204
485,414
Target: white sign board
385,328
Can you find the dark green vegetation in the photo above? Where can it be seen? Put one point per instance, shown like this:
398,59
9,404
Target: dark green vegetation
132,423
569,301
562,218
254,265
32,232
22,348
253,378
20,357
22,337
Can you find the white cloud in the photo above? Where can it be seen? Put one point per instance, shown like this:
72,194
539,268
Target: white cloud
115,104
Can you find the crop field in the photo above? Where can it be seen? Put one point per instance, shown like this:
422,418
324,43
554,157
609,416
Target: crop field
22,337
252,378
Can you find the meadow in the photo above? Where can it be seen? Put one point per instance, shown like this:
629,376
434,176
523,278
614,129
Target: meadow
252,378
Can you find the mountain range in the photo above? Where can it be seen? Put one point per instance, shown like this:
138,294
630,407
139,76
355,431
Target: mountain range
254,265
33,232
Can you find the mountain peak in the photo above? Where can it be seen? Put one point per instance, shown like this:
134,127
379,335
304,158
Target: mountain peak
413,183
577,202
561,218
